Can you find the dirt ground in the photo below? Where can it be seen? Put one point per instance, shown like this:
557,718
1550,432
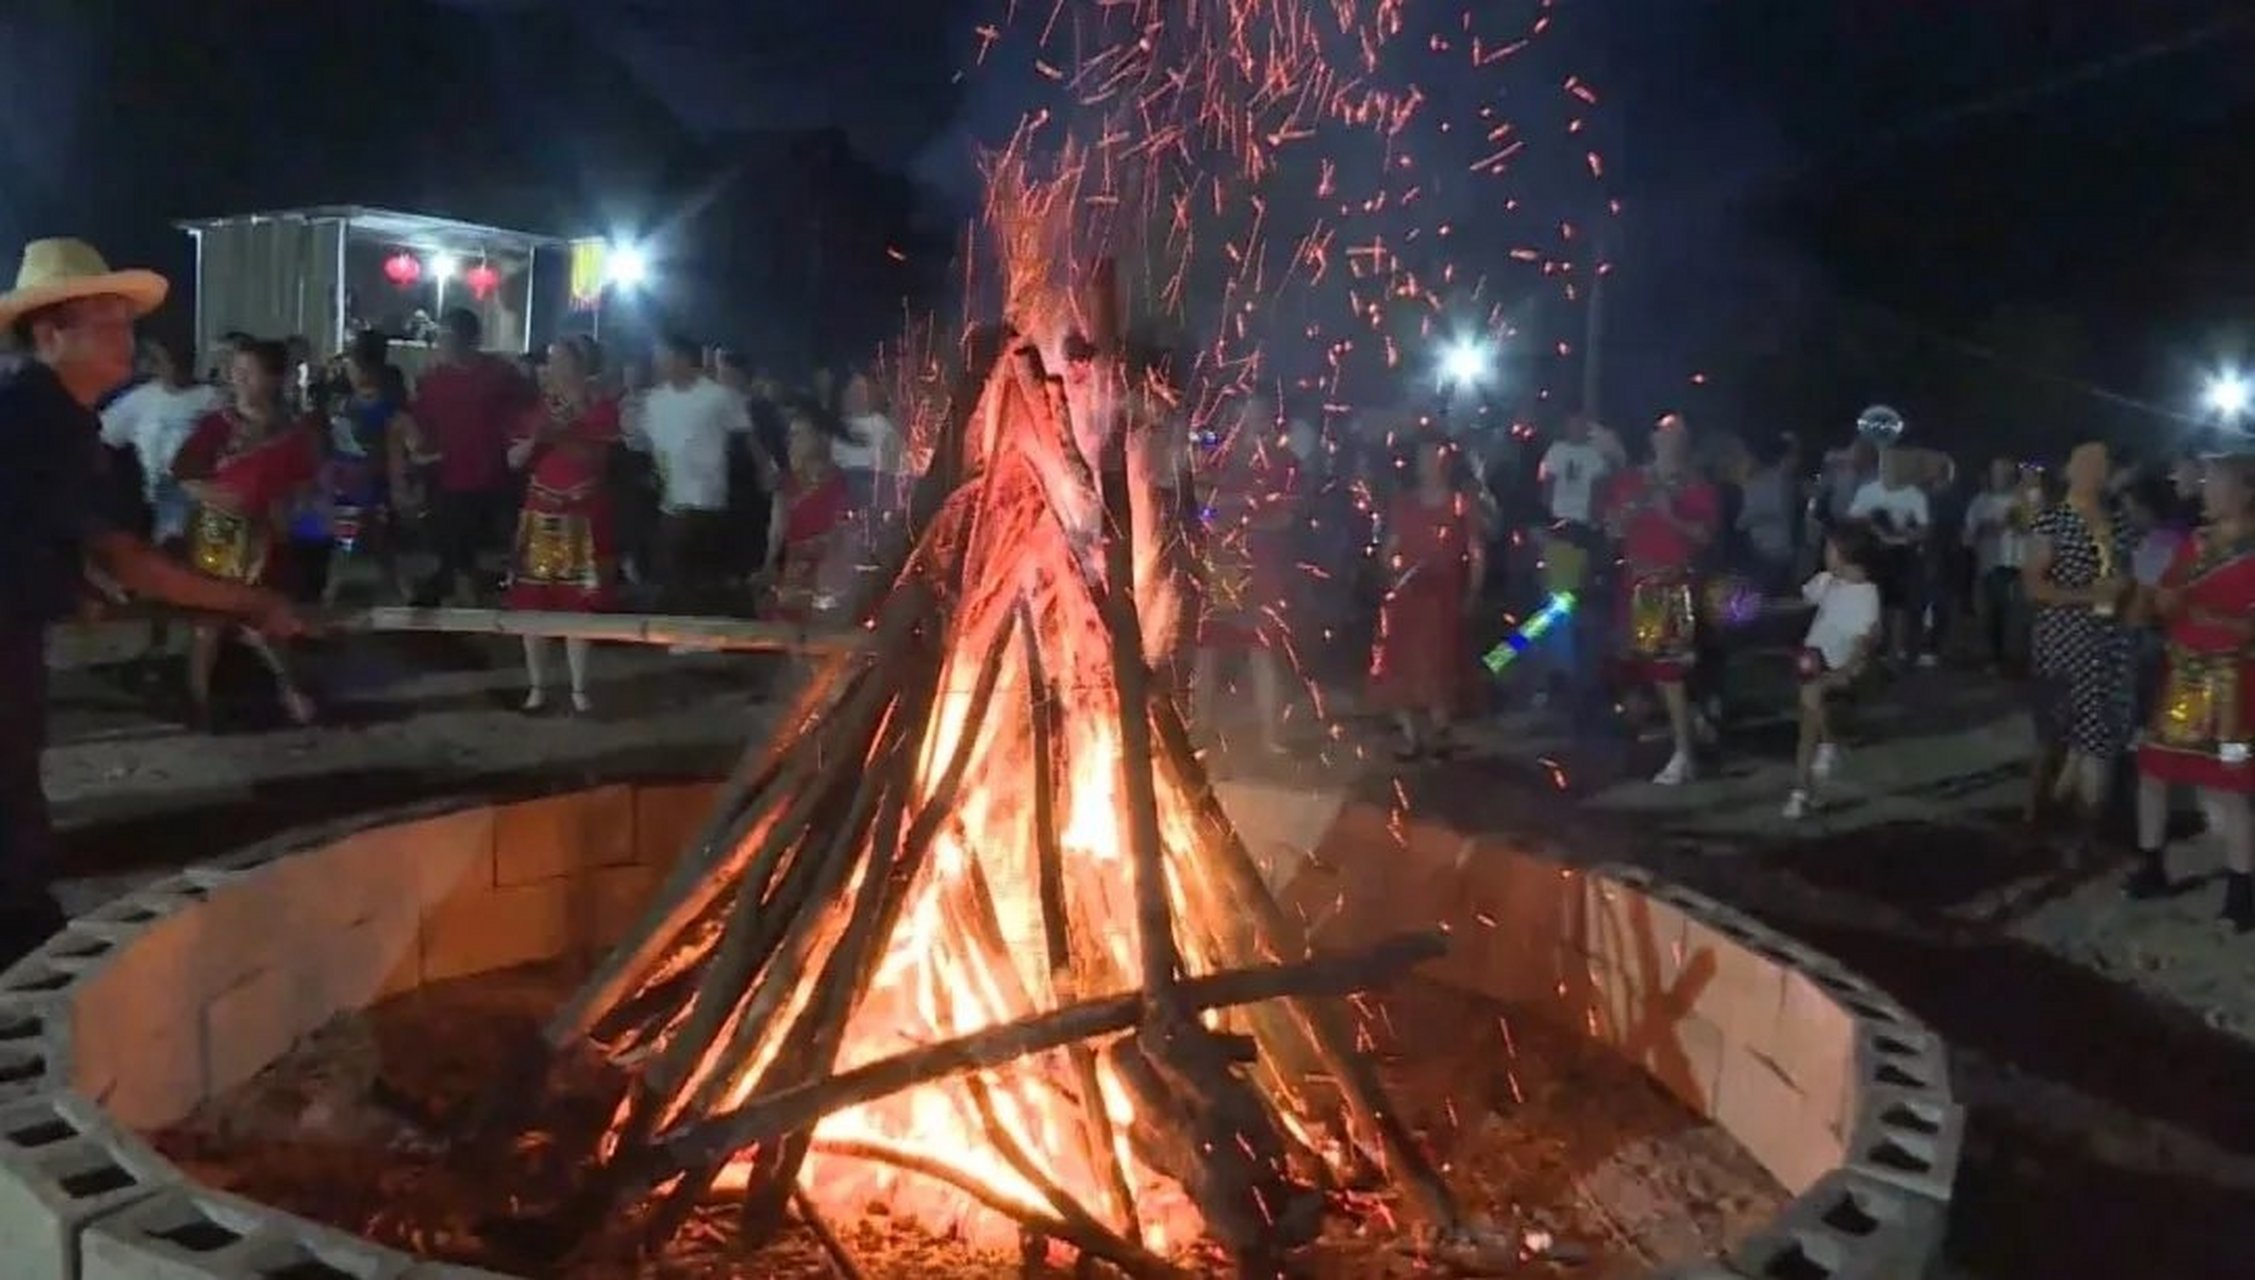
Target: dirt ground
1541,1133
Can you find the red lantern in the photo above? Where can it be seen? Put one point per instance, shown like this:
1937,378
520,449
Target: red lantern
403,269
482,279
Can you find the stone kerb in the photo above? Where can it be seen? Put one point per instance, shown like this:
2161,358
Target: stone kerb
148,1006
1837,1090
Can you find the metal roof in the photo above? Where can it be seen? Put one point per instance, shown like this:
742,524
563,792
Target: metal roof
418,229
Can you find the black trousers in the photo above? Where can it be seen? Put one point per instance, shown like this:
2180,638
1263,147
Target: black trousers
693,555
29,914
463,524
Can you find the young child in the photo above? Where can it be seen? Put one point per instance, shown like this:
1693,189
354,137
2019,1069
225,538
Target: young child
1840,640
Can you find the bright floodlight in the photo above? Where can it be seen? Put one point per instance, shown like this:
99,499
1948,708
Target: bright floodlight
625,265
443,266
1467,364
2230,395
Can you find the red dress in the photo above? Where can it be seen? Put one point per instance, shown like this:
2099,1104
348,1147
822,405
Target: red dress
1423,653
566,553
1659,601
813,515
234,534
2202,720
1248,551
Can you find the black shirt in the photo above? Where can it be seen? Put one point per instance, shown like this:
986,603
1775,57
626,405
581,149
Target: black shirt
55,496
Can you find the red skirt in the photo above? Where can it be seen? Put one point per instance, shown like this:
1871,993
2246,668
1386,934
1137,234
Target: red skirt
563,561
1423,656
2202,720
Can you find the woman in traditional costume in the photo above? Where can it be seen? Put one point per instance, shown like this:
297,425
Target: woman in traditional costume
1664,515
2205,714
1245,555
1435,554
810,515
245,465
565,557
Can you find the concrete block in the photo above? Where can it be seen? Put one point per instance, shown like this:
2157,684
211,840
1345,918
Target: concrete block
1686,1058
188,1234
358,965
248,1026
35,1044
498,929
1908,1138
563,836
1846,1227
1789,1134
62,1165
619,897
1282,827
1815,1045
666,818
452,855
1738,989
1900,1055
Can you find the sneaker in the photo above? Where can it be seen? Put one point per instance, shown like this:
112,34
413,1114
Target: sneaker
582,704
1827,761
535,702
1679,771
1797,806
1927,662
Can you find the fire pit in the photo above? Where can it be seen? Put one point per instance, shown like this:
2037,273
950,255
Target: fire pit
154,1005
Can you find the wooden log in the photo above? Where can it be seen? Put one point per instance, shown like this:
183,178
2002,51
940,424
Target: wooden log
695,884
1049,878
1045,1224
1154,915
832,1247
729,635
1357,1082
1089,1235
764,1118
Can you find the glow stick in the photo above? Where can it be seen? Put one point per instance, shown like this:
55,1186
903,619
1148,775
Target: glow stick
1555,611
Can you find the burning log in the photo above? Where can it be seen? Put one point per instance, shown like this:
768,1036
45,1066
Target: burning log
892,969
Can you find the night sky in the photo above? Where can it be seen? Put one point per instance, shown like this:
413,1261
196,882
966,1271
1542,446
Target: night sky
1921,163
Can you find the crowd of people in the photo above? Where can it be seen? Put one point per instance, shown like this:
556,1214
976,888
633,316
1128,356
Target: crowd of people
687,483
1382,550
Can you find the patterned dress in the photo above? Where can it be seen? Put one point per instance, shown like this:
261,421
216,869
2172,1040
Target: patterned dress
2201,722
2082,657
566,553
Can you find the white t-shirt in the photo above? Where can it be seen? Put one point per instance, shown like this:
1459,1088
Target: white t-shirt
1905,507
1988,530
1573,468
1846,613
687,429
871,443
154,420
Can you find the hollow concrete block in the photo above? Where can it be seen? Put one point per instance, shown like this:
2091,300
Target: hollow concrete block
563,836
667,817
183,1233
1815,1045
1281,826
498,929
248,1026
1909,1138
1847,1227
1789,1134
36,1044
63,1164
1738,989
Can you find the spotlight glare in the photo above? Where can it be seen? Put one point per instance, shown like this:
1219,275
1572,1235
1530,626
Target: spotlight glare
625,265
2230,395
443,266
1467,364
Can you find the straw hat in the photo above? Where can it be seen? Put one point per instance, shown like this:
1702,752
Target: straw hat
64,270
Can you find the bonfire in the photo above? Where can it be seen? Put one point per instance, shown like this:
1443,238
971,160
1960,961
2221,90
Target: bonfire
972,941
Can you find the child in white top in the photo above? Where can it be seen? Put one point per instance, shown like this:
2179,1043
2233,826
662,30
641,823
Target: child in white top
1840,640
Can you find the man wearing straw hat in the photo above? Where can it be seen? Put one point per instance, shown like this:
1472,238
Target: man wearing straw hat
71,321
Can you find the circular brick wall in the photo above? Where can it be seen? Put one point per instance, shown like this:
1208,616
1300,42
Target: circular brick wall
144,1009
